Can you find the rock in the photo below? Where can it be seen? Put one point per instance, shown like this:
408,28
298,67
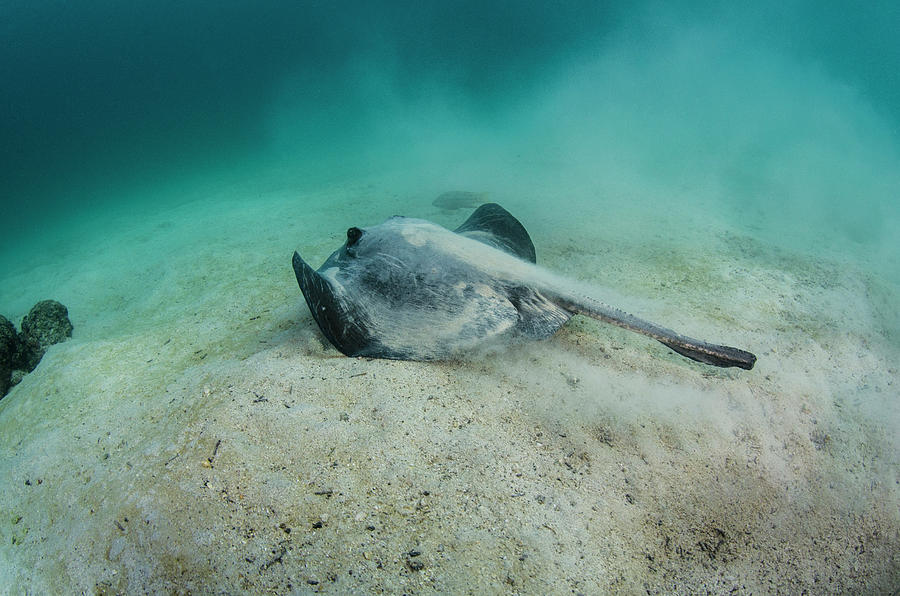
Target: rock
8,341
28,353
48,323
9,347
17,375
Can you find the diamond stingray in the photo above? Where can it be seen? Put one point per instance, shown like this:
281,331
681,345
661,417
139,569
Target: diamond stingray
409,289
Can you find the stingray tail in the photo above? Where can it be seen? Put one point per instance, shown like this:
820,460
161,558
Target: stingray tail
701,351
716,355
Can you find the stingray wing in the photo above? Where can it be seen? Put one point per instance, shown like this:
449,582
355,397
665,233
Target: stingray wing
493,225
340,325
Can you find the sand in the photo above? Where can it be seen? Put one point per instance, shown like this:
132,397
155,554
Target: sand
198,435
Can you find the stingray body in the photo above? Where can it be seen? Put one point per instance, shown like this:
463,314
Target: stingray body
409,289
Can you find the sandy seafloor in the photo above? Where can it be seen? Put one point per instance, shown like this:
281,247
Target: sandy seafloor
197,434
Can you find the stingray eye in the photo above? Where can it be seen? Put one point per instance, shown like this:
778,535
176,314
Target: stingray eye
353,236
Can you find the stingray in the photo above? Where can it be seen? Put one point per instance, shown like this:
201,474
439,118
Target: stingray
409,289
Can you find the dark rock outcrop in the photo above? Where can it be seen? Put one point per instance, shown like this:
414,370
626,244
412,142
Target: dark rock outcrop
9,348
47,323
29,352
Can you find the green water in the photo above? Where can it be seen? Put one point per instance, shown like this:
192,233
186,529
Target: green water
731,172
780,123
781,118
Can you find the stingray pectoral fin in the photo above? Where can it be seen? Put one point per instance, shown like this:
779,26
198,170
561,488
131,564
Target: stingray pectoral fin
493,225
334,316
701,351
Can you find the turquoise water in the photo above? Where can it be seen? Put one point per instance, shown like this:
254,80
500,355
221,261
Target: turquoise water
784,118
730,172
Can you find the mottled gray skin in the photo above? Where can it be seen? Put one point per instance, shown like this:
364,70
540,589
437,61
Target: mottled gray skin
409,289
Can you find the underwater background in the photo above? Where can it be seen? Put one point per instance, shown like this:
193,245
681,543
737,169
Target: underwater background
729,171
